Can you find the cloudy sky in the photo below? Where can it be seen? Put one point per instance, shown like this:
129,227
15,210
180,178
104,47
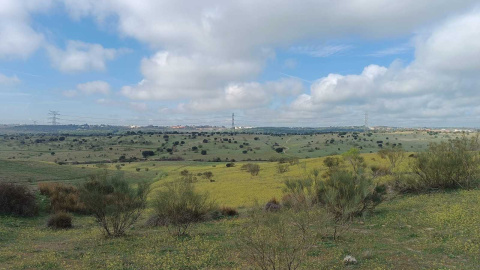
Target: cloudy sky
272,63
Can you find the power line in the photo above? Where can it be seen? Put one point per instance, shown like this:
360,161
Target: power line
54,117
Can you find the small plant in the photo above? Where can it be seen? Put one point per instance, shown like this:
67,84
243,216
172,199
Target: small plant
17,200
179,206
114,203
60,220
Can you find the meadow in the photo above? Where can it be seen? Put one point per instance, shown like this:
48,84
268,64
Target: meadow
436,230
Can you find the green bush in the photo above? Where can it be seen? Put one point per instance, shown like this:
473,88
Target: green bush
449,165
115,204
17,200
179,206
60,220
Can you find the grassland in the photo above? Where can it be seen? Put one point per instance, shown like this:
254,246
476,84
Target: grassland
429,231
221,146
435,231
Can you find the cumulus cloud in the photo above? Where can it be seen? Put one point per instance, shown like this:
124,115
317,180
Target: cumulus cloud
18,38
5,80
440,84
80,56
172,76
246,96
205,47
89,88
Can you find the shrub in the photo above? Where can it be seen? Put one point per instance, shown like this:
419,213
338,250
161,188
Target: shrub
449,165
62,197
179,206
115,204
60,220
346,195
17,200
279,240
228,211
378,170
394,155
354,158
253,169
207,175
283,168
299,193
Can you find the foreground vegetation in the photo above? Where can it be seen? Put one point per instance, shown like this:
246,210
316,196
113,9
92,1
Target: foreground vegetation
392,209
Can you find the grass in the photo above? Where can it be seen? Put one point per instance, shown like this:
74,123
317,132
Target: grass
429,231
432,231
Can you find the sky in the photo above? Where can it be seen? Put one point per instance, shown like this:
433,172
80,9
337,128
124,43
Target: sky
311,63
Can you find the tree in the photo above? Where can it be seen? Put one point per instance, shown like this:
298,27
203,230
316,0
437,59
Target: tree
147,153
113,202
204,152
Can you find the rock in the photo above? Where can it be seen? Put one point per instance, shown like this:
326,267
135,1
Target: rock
349,260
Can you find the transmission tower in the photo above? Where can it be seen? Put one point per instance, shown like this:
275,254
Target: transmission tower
365,127
233,121
54,117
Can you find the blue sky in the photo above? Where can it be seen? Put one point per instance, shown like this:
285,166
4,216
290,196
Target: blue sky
308,63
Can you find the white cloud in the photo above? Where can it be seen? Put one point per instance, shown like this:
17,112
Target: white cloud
246,96
18,39
206,46
89,88
5,80
95,87
441,84
171,76
80,56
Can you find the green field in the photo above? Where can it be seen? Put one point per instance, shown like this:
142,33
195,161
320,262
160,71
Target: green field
430,231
